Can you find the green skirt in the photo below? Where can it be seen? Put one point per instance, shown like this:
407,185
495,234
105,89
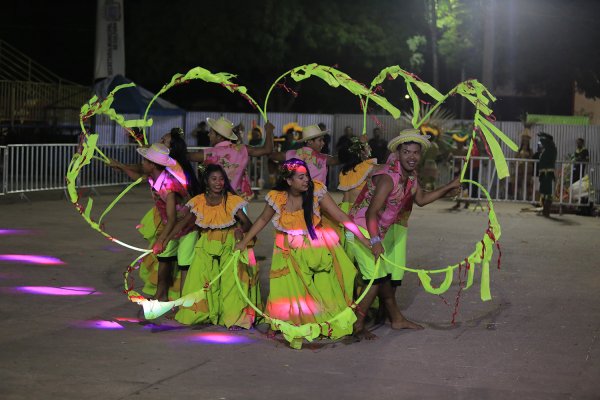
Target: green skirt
223,303
150,227
311,282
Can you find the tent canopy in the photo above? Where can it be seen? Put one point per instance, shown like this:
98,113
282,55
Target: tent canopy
134,100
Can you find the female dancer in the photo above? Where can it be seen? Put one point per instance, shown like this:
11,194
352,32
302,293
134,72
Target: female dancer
218,213
311,277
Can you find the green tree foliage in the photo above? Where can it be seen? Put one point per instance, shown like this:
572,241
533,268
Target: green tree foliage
260,40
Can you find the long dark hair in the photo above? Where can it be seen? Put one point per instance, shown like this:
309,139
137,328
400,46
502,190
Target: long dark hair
351,154
287,169
348,158
209,169
178,151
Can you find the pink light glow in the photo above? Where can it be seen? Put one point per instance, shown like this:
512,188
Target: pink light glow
99,324
14,232
285,309
219,338
31,259
57,291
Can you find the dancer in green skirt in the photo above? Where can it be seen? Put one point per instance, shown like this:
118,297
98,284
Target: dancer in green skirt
218,213
311,278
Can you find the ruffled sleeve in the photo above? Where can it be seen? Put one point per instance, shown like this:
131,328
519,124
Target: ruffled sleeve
216,217
293,222
277,200
319,191
356,177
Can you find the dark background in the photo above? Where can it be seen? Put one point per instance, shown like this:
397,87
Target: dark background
541,47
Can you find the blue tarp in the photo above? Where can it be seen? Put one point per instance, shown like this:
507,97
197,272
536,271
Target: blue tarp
134,100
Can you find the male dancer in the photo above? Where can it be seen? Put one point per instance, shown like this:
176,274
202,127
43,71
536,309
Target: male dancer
387,194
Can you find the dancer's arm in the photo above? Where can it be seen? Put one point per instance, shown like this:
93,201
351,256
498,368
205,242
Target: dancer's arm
187,220
329,206
278,156
196,156
161,242
423,198
245,223
383,188
333,160
267,147
258,226
134,171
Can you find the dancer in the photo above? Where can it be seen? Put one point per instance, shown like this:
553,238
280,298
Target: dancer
310,153
311,277
170,195
150,226
386,201
232,156
356,167
218,212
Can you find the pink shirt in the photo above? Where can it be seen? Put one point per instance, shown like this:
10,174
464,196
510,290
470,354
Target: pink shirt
397,206
317,162
164,184
234,160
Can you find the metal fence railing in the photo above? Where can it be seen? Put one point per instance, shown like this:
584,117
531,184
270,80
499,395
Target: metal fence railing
576,184
37,167
3,169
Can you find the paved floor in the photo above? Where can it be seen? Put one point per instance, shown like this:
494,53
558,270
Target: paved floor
536,339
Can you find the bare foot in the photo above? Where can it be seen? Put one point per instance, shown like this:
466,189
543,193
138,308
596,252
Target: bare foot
270,334
360,332
234,328
171,313
405,324
364,334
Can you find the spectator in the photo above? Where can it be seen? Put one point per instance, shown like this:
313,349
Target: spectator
345,140
582,155
326,139
378,146
255,137
546,166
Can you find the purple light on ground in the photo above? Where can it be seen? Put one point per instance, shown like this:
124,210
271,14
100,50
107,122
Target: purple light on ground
99,324
114,249
127,319
219,338
154,328
31,259
57,291
14,232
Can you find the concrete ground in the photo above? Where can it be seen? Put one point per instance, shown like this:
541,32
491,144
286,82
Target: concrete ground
536,339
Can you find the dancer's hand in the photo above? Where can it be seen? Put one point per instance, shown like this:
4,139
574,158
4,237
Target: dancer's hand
239,234
269,127
158,247
114,164
239,246
377,250
454,187
365,242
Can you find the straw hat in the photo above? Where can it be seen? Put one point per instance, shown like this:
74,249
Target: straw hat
312,132
223,127
157,153
409,135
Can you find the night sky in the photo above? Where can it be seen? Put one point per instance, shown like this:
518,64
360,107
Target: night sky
234,37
